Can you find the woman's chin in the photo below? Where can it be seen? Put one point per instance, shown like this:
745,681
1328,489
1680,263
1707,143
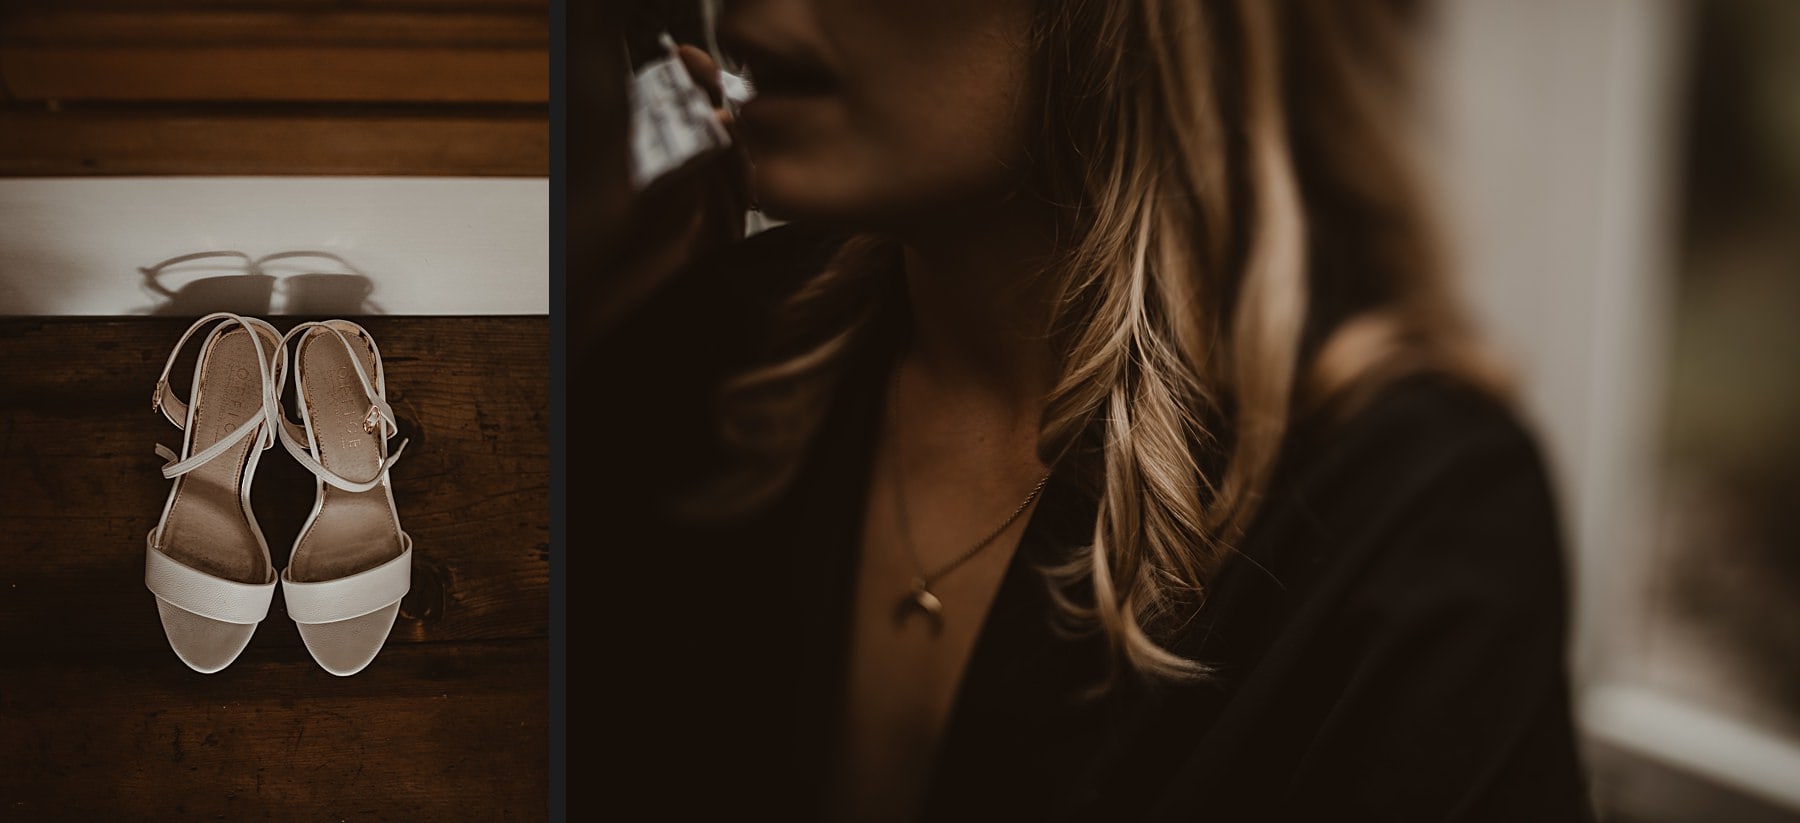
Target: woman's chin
806,206
788,190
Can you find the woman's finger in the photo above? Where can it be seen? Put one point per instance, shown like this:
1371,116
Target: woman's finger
705,72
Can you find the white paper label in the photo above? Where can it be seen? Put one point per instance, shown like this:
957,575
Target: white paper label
672,120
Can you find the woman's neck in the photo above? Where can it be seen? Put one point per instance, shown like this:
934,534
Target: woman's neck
981,308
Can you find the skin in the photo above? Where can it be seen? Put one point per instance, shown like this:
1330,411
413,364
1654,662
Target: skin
923,114
920,134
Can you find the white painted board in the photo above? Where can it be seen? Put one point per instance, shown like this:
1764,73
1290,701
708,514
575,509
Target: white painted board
391,245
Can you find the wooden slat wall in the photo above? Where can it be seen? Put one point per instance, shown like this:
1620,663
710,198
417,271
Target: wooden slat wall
285,87
100,719
322,141
304,74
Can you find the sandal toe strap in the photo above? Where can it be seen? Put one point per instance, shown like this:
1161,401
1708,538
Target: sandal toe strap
203,594
346,597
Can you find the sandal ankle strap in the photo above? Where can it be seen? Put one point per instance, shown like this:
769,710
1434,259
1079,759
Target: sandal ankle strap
176,410
379,417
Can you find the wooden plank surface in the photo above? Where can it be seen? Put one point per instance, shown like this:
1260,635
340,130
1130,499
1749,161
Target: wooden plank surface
131,140
199,87
432,732
80,483
62,25
432,6
102,720
230,73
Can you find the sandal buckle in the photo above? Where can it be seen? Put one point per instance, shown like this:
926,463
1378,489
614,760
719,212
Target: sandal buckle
371,420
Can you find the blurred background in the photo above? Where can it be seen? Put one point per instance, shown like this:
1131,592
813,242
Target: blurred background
1625,175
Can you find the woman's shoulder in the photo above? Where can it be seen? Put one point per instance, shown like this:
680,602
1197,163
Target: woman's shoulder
1413,435
1414,417
1432,483
1396,639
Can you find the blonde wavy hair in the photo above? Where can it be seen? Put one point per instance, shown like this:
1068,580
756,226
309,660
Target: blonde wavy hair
1245,245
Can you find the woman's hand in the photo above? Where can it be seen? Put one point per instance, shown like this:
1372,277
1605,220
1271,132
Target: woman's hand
678,217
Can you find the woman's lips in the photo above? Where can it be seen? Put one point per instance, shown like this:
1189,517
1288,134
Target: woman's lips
784,73
774,79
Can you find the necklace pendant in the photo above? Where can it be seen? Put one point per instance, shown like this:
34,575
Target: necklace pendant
921,600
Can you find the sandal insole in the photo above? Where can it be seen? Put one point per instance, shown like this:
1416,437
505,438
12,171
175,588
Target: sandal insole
354,531
207,529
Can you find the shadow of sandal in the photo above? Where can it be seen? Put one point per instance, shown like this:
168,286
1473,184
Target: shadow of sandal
240,287
308,292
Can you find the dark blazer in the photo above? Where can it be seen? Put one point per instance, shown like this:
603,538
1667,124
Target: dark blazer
1389,644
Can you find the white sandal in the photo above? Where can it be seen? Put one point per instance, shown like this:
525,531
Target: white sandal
352,563
206,561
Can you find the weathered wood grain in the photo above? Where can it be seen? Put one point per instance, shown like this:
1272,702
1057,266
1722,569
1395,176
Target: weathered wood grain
431,6
58,24
277,87
488,141
432,732
321,73
80,487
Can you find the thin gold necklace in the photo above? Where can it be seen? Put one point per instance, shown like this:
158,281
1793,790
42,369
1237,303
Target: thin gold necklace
919,598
